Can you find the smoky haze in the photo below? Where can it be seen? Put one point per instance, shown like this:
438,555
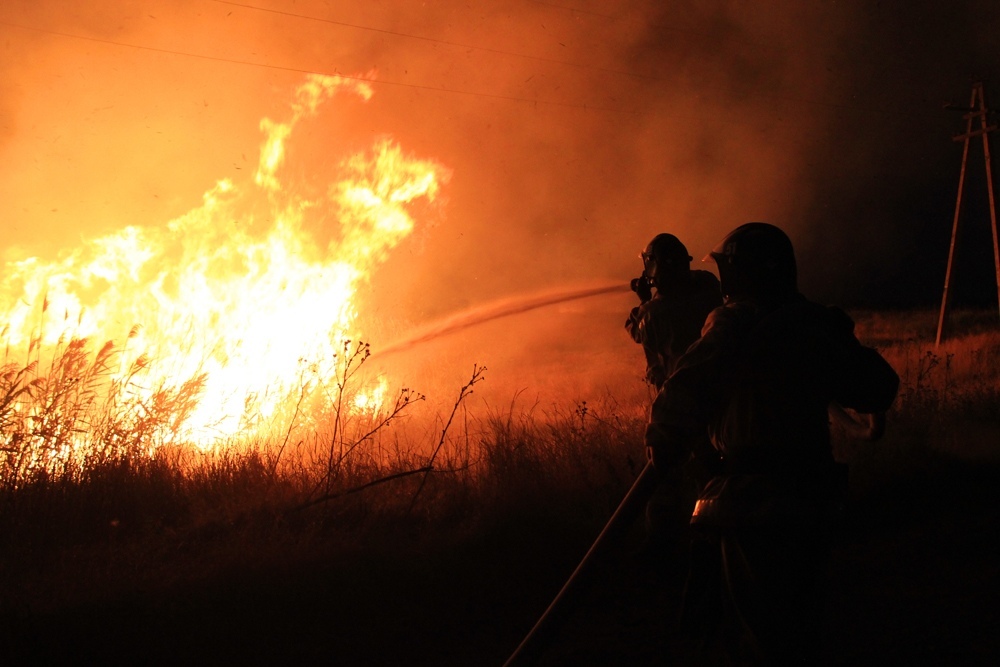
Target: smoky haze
572,133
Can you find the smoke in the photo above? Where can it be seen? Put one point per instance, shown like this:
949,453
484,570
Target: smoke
683,131
574,134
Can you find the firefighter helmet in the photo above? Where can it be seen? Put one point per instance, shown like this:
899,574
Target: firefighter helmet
665,257
756,259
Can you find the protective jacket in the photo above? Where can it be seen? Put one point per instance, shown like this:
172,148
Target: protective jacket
667,324
759,381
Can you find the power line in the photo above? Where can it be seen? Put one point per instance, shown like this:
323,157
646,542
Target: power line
439,89
462,45
773,96
299,70
574,9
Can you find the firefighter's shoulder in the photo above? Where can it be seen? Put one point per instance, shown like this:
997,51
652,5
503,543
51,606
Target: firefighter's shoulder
704,281
733,318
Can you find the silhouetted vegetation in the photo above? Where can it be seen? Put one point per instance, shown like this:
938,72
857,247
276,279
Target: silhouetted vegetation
359,516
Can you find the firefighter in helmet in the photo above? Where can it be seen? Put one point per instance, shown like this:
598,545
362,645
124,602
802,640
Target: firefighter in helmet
758,382
674,302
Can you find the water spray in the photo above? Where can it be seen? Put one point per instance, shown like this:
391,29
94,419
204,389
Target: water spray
499,309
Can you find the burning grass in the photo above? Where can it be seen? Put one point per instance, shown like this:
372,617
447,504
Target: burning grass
91,467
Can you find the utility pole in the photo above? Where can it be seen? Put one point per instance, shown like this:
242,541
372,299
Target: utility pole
976,109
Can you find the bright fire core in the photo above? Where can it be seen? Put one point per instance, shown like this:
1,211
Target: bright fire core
241,292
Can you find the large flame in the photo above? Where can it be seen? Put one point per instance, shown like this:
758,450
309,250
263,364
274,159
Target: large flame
238,292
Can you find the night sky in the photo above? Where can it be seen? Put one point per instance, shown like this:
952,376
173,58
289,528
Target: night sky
574,130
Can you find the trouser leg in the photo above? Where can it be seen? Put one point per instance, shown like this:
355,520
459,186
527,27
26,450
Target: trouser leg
772,589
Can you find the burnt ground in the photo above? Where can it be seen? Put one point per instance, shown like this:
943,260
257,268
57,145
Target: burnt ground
914,581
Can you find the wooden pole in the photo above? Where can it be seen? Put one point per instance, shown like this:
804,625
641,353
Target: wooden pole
989,188
946,297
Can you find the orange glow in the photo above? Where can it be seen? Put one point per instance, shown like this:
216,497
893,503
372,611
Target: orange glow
238,290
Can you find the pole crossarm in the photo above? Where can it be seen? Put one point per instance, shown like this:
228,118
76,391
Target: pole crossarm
974,133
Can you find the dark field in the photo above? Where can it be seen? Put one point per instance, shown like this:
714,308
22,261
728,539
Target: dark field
139,562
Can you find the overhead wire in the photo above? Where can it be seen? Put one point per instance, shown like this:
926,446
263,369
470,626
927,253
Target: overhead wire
575,10
475,47
302,70
440,89
778,97
462,45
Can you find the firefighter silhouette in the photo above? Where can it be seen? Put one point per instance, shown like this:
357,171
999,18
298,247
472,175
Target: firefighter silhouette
674,304
758,383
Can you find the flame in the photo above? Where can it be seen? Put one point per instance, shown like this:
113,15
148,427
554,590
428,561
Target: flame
239,292
370,400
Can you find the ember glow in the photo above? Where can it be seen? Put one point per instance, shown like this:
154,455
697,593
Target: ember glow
253,295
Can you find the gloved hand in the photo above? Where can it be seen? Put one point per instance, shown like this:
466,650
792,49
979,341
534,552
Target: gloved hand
643,288
656,446
651,456
656,376
664,451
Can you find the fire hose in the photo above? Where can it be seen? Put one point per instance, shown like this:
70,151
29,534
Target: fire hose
629,508
868,427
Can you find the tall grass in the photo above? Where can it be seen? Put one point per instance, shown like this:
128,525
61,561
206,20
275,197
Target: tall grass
69,409
949,394
79,435
91,465
941,449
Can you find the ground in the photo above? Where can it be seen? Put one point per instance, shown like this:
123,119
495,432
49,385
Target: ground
914,580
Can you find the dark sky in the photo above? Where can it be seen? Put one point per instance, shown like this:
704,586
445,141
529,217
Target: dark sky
885,184
574,130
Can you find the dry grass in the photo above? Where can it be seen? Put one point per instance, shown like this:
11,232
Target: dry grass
940,453
949,394
100,500
82,450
